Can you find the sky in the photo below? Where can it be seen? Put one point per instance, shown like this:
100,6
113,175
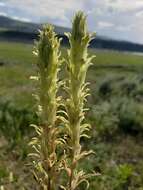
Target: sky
118,19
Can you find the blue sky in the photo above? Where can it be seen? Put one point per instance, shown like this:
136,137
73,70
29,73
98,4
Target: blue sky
119,19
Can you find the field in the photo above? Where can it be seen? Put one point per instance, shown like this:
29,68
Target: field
116,115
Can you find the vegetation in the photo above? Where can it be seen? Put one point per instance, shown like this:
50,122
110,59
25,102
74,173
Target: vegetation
115,113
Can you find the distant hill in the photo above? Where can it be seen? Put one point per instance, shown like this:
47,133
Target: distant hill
15,30
17,25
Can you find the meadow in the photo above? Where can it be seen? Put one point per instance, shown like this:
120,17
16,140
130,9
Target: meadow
116,110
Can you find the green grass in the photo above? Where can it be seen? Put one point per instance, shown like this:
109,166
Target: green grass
14,75
117,58
20,52
16,52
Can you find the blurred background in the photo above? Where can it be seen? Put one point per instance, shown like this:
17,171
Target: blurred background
116,83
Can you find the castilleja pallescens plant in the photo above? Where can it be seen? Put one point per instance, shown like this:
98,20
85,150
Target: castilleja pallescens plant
55,151
78,63
46,161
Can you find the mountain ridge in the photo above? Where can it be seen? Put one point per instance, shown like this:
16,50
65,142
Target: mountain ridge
16,30
21,26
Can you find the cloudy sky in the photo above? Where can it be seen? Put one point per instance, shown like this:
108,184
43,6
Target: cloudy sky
119,19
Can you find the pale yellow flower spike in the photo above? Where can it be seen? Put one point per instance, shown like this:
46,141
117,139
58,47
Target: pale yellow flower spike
46,161
78,63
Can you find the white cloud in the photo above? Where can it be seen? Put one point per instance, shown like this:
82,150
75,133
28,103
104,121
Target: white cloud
139,14
53,9
21,18
3,14
129,5
124,28
123,5
104,24
2,4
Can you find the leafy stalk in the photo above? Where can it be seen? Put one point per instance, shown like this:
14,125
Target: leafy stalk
78,63
46,160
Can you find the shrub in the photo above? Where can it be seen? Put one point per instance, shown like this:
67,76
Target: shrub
105,119
130,116
105,89
15,122
122,175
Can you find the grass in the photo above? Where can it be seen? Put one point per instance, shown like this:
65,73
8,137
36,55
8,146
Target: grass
116,79
16,52
17,69
117,58
22,53
19,65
